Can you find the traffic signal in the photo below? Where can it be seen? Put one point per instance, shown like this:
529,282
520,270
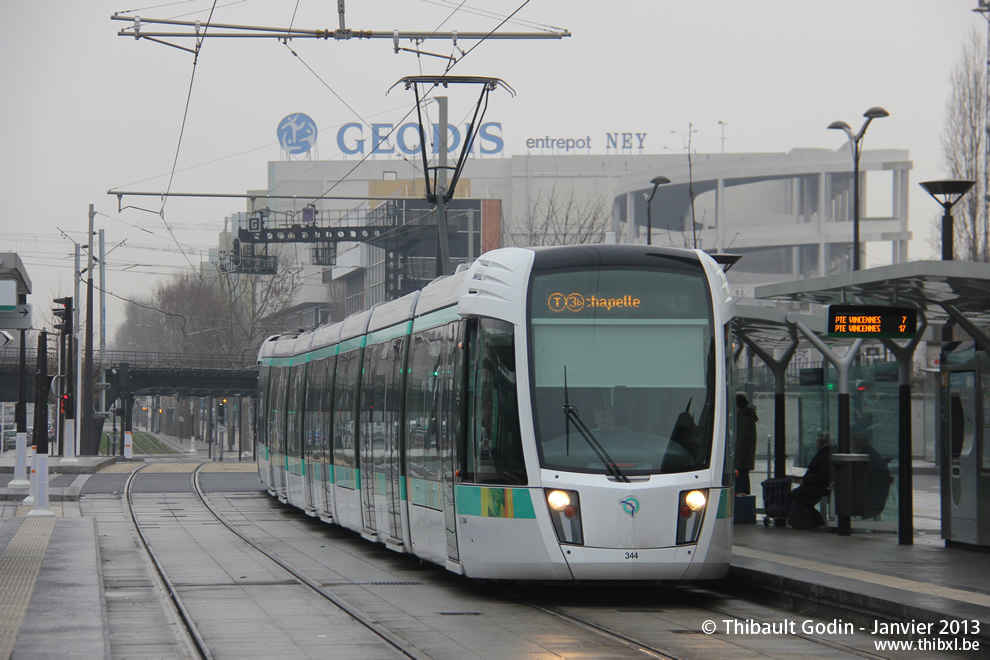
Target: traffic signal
65,404
221,412
63,314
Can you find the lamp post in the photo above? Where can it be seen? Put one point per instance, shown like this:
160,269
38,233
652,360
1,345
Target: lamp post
855,139
657,181
950,191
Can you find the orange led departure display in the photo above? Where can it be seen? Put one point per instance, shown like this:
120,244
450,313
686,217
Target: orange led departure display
872,321
576,302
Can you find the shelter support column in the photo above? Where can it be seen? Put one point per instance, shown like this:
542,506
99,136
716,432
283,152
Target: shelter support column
905,476
842,365
779,369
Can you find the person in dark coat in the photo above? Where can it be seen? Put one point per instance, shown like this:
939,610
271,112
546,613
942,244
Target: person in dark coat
814,486
745,443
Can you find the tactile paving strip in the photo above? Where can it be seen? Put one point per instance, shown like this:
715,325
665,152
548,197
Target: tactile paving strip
19,567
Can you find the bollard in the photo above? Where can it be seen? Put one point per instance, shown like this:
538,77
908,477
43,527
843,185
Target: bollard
20,480
128,445
33,478
41,490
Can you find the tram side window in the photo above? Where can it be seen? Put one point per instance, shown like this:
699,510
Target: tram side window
497,443
277,402
344,422
297,374
325,417
424,404
373,400
311,425
392,382
261,409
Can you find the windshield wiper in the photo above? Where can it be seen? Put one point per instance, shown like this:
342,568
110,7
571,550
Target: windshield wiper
571,415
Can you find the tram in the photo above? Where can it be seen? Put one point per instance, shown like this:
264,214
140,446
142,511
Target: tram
558,413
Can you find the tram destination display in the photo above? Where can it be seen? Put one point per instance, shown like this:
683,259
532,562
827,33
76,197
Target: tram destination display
872,321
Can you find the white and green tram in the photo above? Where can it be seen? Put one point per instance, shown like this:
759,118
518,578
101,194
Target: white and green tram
555,413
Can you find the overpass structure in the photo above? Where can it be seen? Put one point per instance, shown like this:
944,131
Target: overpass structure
132,373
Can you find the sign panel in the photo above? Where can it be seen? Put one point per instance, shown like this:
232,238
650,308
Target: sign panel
8,295
812,377
874,321
17,319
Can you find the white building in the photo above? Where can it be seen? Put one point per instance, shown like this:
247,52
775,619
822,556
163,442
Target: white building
788,214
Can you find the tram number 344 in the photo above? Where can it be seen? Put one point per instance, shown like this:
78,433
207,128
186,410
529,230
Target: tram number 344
632,555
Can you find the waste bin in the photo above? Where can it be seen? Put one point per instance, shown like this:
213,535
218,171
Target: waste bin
850,483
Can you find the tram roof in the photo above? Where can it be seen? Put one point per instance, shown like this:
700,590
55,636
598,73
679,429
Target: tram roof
924,285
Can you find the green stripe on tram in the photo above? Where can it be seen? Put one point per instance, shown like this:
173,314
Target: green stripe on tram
425,492
391,332
433,319
346,477
350,344
490,502
724,503
319,354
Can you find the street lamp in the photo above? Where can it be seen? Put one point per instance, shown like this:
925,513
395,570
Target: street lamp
657,181
854,142
951,191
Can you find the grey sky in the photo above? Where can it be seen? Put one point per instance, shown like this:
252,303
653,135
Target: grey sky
84,110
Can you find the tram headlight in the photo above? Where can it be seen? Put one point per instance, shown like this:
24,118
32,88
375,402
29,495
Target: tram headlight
558,500
565,512
690,514
695,500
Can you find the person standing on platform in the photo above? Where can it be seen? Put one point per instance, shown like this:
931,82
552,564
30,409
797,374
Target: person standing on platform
745,443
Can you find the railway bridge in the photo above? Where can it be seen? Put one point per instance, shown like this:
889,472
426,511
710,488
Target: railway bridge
135,373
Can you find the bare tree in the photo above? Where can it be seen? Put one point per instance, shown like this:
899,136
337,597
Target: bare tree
227,313
963,149
555,219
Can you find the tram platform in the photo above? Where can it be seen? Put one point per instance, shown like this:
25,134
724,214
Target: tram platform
52,601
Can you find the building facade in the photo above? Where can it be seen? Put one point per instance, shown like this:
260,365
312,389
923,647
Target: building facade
789,214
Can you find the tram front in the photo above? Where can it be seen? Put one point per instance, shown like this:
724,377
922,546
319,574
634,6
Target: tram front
627,363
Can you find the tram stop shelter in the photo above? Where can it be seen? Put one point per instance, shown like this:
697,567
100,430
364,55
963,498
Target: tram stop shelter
951,294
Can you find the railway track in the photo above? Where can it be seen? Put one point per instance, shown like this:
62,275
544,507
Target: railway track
615,621
194,641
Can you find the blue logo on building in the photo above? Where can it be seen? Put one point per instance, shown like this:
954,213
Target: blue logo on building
630,506
297,133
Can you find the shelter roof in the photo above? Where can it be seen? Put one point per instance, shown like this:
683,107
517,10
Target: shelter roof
924,285
768,326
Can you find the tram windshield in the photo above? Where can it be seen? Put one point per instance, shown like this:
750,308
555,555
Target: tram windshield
630,353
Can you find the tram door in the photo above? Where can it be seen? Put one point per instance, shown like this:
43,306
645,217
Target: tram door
369,439
965,457
450,429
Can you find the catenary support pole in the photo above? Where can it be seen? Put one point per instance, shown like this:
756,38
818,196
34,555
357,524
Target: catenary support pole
20,480
87,447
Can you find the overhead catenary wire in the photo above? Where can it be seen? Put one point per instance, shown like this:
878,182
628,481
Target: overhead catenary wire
185,116
291,32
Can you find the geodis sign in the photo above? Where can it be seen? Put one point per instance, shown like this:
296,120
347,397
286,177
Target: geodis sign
385,139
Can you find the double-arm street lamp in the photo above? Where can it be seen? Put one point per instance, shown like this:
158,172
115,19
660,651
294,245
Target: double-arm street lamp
657,181
855,140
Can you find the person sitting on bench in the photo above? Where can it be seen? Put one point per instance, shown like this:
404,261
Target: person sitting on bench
814,486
